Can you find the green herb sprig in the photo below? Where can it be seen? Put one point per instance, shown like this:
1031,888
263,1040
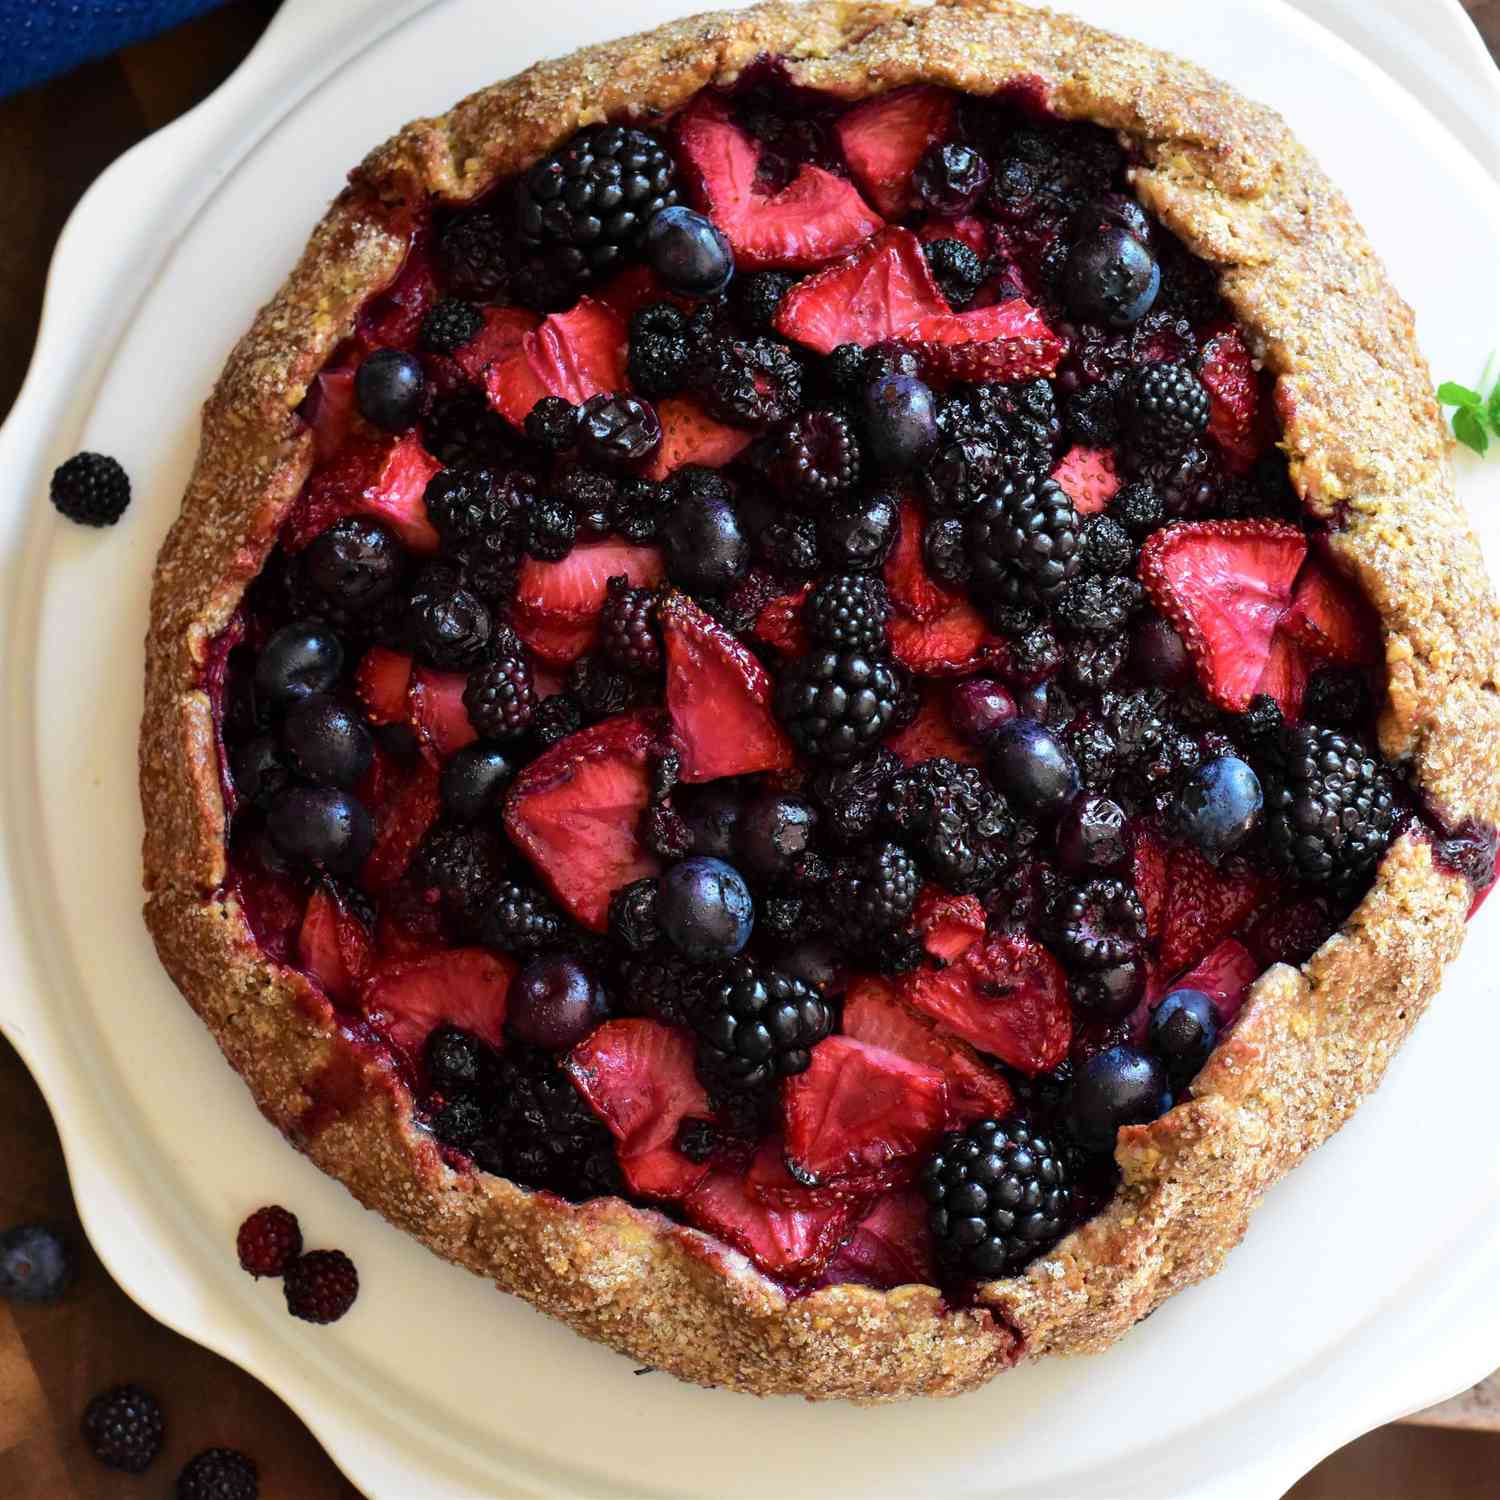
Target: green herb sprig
1476,416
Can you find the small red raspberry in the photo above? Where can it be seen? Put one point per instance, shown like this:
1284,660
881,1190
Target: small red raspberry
268,1241
320,1286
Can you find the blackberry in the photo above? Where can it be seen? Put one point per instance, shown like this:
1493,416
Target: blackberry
457,1061
589,491
551,528
628,627
665,833
955,822
1035,654
459,1122
663,772
320,1287
1188,482
660,351
848,611
1261,723
1101,924
616,428
893,953
124,1428
1030,530
956,268
1138,507
268,1240
499,697
1106,546
1097,607
876,890
471,255
1153,750
1330,807
556,717
1167,407
1094,750
519,919
638,510
467,501
1337,696
553,424
789,545
1091,415
850,795
632,916
450,629
448,325
490,564
757,297
91,488
815,458
599,688
1091,666
747,382
583,208
998,1195
856,533
758,1025
463,864
836,703
464,428
663,985
218,1474
789,919
958,475
845,370
1026,898
945,551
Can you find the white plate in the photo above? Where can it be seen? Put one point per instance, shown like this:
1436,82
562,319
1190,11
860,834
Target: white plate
1349,1303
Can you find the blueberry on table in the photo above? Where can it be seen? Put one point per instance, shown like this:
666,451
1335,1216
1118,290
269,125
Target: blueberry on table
704,908
36,1264
390,389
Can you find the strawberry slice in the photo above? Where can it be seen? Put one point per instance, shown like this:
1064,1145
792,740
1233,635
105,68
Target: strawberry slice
1205,905
912,588
884,137
1286,674
575,355
1225,586
392,318
435,708
1225,975
792,1240
381,680
328,410
631,290
891,1246
406,998
719,698
932,734
813,219
883,288
1006,996
690,436
969,230
504,332
860,1114
875,1014
1088,476
401,823
558,604
573,812
1290,934
388,482
1235,417
1331,618
1150,858
333,945
957,643
780,624
1009,341
638,1077
949,924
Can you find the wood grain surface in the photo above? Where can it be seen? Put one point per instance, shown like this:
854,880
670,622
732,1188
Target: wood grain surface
54,141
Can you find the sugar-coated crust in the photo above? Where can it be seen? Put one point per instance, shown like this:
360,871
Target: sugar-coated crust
1368,453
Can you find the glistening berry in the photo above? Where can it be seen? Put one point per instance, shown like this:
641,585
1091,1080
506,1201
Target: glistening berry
91,488
218,1474
320,1286
124,1428
268,1241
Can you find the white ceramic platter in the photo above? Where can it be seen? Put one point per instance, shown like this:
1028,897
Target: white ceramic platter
1367,1286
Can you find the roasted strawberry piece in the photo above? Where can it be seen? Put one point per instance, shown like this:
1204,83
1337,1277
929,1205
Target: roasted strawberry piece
1088,475
1290,934
780,624
404,999
1235,417
948,923
638,1077
333,945
793,1239
381,680
1204,905
1286,673
1007,996
719,698
401,823
810,221
1224,974
968,230
913,589
875,1013
1007,342
932,734
891,1246
558,604
575,355
380,478
631,290
860,1114
1149,858
1225,586
504,331
956,643
690,436
883,288
883,138
1330,618
574,812
435,707
392,318
329,410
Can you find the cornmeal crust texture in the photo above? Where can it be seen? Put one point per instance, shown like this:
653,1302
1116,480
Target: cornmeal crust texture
1368,453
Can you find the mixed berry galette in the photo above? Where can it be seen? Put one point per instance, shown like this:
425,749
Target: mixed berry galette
821,693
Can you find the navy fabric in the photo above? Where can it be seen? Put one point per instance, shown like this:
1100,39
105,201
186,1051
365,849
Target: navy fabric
40,38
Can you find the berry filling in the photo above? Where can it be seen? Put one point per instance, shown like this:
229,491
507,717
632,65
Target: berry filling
798,690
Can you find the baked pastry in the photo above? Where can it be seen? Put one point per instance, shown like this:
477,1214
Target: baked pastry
820,693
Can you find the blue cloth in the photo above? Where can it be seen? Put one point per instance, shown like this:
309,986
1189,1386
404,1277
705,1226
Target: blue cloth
40,38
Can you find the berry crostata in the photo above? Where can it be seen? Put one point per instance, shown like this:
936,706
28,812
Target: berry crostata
821,693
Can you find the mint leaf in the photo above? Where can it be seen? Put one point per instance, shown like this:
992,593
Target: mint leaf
1450,393
1468,428
1494,408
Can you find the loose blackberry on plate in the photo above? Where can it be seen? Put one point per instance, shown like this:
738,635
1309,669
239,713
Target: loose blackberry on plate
91,488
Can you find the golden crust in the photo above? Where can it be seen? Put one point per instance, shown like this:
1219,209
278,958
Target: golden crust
1368,452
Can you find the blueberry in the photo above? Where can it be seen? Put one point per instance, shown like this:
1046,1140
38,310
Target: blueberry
688,253
474,780
1033,768
36,1264
817,962
390,389
299,660
322,826
978,707
1119,1086
259,770
1091,835
900,419
707,550
856,536
777,828
554,1003
1112,992
355,563
1111,278
1184,1028
949,176
1157,653
1112,211
712,814
1219,806
705,908
326,742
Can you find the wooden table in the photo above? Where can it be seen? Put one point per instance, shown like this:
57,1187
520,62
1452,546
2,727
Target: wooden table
53,142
